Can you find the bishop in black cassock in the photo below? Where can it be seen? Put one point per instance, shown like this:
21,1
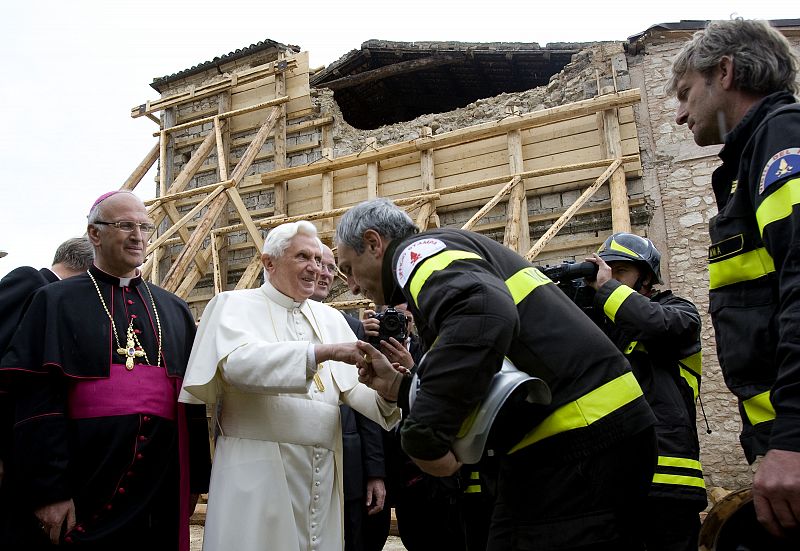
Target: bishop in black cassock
96,438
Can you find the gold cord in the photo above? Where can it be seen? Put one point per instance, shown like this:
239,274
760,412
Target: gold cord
131,335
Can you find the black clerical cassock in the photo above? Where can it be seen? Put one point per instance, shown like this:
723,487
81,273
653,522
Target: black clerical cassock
88,427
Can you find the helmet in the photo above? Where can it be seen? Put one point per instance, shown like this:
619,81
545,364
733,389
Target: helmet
632,248
732,525
468,447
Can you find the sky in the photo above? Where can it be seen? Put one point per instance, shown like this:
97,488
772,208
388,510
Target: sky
73,69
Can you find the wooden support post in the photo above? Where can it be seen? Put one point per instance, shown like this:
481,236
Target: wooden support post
428,182
139,172
250,273
492,202
222,158
570,212
224,142
255,233
281,189
327,179
372,171
167,151
155,259
608,122
216,240
517,235
176,274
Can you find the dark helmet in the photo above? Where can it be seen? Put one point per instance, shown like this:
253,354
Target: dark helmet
632,248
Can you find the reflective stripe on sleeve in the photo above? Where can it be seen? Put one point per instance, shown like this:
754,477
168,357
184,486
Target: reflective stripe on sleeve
778,205
615,300
743,267
682,462
524,282
759,408
584,411
679,480
691,369
434,264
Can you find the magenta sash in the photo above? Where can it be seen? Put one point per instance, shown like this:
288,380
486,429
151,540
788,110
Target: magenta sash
144,390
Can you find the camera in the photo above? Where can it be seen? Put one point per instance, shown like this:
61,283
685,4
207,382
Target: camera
393,324
569,277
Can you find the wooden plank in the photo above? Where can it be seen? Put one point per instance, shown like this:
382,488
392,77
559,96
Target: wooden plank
281,189
215,264
142,168
250,274
177,225
386,71
229,114
222,157
564,218
152,204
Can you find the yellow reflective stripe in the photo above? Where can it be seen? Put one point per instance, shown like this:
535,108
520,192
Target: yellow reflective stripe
679,480
759,408
691,380
472,489
524,281
615,300
744,267
779,204
434,264
584,411
682,462
617,247
475,475
694,363
631,347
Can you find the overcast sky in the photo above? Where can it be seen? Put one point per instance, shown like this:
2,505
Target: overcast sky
73,69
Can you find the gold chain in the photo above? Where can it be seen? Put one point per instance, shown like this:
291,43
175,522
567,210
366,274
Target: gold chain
131,333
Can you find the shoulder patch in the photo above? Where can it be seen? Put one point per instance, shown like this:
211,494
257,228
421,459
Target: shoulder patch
782,164
412,255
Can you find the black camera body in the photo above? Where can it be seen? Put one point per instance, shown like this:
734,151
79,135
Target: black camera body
393,324
569,277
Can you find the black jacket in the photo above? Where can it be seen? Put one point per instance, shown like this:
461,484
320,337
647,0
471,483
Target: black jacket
661,338
754,272
475,301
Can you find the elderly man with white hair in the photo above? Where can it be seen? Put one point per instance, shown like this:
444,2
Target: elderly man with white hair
274,361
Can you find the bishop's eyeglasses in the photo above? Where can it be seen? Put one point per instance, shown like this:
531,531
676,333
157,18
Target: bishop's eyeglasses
145,227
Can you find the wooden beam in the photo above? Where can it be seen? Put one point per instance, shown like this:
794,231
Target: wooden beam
608,121
517,235
158,201
215,243
255,233
280,189
400,68
372,171
327,179
250,273
490,205
198,122
139,172
568,214
222,157
464,135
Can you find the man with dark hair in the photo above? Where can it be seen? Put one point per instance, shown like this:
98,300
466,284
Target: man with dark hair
73,257
575,471
659,333
102,449
734,83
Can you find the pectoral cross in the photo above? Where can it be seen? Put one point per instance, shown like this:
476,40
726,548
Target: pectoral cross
130,352
318,379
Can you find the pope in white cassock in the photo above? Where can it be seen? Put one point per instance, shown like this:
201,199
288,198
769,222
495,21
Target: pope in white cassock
273,361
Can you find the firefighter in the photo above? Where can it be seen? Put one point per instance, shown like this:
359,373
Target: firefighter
574,473
659,333
734,83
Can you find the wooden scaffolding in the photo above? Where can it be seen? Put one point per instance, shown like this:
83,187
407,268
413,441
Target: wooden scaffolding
578,146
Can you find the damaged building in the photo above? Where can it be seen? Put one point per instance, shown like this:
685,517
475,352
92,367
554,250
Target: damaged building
547,149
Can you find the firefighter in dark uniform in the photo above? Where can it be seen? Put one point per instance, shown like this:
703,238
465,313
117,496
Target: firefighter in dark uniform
575,472
734,83
659,333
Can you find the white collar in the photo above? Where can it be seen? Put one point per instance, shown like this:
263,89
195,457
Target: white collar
279,298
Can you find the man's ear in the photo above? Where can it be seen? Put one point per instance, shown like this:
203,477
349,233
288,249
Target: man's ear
725,67
92,232
373,243
266,261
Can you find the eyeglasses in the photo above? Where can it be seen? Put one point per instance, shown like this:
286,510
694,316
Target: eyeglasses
330,268
145,227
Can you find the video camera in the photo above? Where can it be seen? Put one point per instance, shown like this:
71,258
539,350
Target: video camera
569,277
393,323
